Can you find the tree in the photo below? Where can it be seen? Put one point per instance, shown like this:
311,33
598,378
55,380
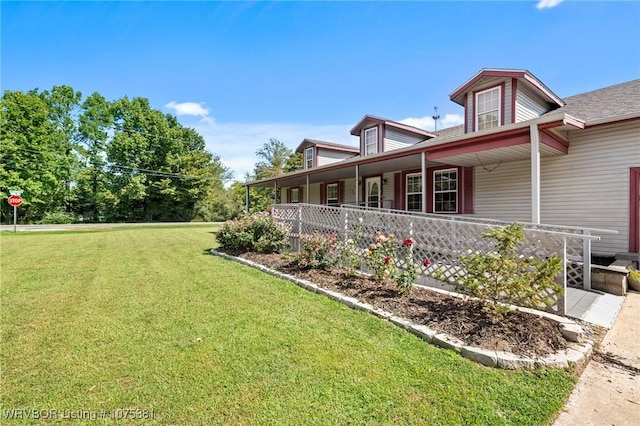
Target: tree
274,156
294,163
91,185
29,157
64,104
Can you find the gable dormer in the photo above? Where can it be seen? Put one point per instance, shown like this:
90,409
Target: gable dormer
380,135
497,97
318,153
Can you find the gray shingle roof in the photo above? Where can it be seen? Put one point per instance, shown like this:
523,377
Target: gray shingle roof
608,102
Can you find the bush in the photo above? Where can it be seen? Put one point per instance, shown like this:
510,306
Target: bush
504,276
407,276
317,251
258,232
381,257
59,218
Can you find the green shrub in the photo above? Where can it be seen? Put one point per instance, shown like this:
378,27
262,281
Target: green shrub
258,232
408,274
504,276
349,253
59,218
317,251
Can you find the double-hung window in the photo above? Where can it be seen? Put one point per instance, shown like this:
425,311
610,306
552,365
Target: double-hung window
371,141
488,109
295,195
414,192
332,194
308,158
445,191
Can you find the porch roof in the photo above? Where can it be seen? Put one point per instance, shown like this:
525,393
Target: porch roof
507,143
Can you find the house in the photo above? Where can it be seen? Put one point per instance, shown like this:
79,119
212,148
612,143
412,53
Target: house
523,154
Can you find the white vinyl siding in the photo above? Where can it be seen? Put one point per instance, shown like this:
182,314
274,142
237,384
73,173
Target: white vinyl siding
314,194
395,139
349,195
504,193
590,186
371,141
529,105
327,156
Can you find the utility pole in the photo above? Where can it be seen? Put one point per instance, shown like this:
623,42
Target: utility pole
435,117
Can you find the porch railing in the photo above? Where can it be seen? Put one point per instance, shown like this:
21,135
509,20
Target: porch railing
441,239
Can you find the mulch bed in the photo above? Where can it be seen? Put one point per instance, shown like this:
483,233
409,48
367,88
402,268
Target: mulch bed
520,333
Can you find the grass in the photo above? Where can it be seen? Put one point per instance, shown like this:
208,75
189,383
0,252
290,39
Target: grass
145,318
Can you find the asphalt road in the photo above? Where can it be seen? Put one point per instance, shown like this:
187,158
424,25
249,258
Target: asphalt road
80,226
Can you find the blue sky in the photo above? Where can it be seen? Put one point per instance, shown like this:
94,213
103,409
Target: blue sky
241,73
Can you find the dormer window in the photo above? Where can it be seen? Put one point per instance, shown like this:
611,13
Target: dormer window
371,141
308,158
488,109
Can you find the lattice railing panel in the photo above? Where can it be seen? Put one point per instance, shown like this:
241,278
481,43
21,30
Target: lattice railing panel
439,240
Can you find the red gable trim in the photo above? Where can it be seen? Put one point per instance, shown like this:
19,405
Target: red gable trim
523,74
550,140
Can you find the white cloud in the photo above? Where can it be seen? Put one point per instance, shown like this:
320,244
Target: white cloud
237,143
427,122
189,108
548,4
451,120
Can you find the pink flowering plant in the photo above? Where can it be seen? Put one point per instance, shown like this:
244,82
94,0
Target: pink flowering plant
409,272
381,257
317,251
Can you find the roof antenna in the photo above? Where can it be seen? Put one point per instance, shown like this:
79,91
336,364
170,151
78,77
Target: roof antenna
435,117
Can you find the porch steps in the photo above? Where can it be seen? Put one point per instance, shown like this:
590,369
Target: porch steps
611,279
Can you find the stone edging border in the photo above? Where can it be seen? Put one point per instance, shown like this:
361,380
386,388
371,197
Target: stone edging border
576,354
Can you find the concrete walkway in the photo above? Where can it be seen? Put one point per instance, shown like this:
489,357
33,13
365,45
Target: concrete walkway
608,391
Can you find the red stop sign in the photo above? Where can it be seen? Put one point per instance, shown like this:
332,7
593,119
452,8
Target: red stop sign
14,200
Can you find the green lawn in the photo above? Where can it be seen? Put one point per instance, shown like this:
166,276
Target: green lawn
145,318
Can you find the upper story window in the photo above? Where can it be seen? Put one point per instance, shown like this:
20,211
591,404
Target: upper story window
445,191
488,109
332,194
371,141
308,158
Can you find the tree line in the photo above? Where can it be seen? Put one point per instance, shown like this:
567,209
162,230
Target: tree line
92,160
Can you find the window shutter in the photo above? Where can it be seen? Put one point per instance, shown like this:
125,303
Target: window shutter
323,194
398,202
341,192
467,190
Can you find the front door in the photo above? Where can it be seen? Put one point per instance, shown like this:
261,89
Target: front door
634,213
372,192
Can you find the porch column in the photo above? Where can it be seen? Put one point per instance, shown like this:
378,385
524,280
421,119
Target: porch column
246,198
423,158
357,185
275,192
307,190
535,173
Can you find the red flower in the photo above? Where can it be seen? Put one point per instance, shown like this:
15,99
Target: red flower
407,242
387,259
315,246
426,262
